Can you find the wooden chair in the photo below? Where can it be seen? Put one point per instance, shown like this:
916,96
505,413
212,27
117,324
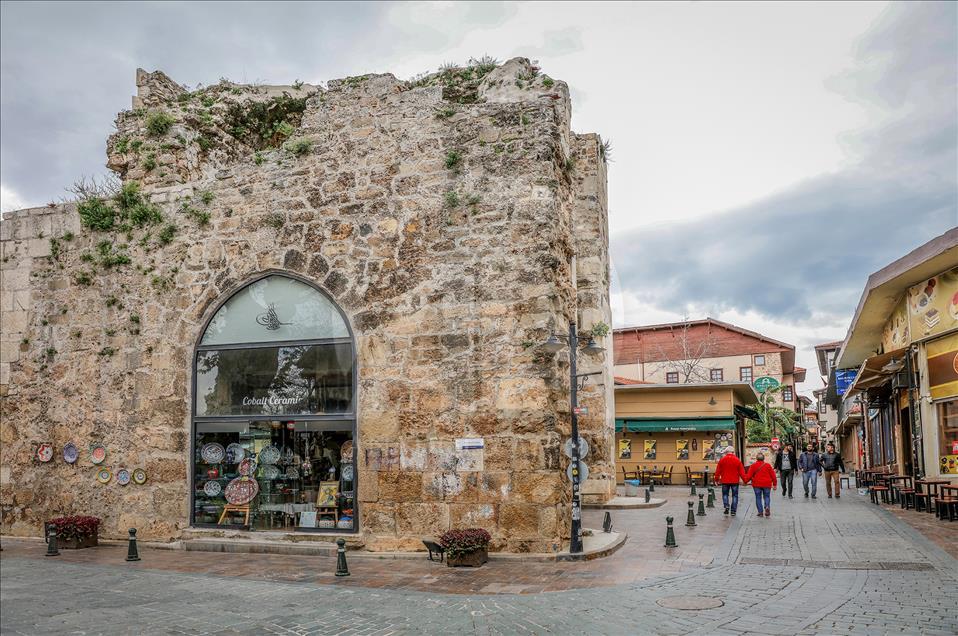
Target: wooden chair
667,477
878,491
629,474
946,505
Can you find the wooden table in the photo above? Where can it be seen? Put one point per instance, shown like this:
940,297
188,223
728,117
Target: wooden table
889,479
932,493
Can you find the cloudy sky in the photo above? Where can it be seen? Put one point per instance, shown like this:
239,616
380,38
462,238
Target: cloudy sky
767,157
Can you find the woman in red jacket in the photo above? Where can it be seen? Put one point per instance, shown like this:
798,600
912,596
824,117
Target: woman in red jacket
763,480
727,472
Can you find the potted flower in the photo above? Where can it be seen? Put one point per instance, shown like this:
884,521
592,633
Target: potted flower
469,547
75,532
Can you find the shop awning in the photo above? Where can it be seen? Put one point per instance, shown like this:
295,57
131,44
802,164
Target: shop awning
873,371
747,412
641,425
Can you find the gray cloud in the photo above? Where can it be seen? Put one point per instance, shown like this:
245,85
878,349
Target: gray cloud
812,246
67,68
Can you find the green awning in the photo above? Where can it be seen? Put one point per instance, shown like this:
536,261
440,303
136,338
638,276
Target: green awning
641,425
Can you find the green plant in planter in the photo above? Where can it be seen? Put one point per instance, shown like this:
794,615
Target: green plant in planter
462,544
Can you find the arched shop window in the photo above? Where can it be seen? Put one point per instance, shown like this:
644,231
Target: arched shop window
274,412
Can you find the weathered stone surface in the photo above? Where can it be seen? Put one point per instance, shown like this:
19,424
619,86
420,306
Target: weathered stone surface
448,242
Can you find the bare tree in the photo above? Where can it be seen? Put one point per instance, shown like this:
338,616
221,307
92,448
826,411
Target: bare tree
689,360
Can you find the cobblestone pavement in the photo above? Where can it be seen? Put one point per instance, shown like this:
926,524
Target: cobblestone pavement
815,567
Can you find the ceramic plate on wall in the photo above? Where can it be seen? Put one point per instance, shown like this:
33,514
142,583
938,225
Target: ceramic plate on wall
346,451
271,472
213,453
45,452
139,476
347,472
70,453
97,453
123,477
247,467
212,488
104,475
235,453
292,472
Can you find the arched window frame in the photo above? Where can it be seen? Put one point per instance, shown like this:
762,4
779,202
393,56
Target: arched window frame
341,421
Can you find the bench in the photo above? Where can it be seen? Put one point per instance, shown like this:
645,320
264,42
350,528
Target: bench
433,545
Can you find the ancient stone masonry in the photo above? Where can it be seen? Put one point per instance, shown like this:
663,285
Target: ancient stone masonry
455,219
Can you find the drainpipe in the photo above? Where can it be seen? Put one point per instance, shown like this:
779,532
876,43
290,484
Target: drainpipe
917,439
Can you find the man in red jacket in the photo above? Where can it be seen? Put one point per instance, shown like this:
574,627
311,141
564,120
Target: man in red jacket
727,472
763,480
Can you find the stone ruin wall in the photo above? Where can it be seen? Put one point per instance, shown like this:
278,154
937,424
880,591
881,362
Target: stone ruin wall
445,297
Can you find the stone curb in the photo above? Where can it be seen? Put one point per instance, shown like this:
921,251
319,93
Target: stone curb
639,505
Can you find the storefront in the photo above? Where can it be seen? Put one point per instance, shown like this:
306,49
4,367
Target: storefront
274,415
680,428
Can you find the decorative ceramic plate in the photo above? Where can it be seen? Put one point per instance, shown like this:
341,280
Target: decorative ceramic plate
212,488
271,472
269,455
139,476
346,451
104,475
292,472
247,467
241,490
235,453
212,453
123,476
348,472
70,453
97,453
45,452
288,456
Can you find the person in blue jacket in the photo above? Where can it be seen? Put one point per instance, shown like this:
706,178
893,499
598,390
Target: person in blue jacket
810,463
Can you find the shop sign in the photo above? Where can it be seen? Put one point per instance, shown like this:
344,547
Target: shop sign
765,383
273,400
943,367
469,443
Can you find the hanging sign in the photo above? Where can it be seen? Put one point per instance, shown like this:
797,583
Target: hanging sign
583,472
765,383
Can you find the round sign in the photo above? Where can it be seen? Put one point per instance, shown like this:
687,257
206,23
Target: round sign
765,383
583,472
583,448
775,443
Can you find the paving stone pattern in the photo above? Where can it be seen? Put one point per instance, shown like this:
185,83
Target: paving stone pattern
855,594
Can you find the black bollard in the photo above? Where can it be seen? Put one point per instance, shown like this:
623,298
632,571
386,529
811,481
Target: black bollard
692,492
132,554
341,568
651,486
648,495
670,534
701,511
52,544
607,522
691,520
711,501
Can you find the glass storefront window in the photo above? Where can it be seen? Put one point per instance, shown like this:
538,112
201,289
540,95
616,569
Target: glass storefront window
274,414
304,475
294,380
948,437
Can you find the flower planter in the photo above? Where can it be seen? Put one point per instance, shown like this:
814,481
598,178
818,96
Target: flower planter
75,543
468,560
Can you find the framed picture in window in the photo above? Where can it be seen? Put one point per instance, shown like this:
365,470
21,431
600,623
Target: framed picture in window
328,491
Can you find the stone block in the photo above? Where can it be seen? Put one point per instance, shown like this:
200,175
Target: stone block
400,487
469,515
519,520
422,519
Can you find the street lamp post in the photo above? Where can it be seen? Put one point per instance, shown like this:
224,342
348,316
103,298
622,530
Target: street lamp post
553,345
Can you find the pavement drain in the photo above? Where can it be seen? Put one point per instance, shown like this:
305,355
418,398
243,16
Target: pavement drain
842,565
690,602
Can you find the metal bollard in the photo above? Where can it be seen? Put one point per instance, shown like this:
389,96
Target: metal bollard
341,568
607,522
692,492
670,534
52,544
711,501
651,486
690,523
648,495
701,511
132,554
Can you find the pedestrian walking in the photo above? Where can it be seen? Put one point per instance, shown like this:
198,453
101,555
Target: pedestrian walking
786,464
764,481
727,472
832,464
810,463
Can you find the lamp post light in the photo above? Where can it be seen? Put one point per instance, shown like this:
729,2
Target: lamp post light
553,345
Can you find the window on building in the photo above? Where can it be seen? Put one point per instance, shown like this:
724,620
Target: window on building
715,375
787,395
948,437
758,361
672,377
274,413
822,407
745,374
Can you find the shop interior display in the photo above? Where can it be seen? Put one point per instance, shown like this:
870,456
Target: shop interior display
269,475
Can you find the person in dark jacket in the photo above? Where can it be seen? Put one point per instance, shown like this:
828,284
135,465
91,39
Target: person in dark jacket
786,464
810,464
832,463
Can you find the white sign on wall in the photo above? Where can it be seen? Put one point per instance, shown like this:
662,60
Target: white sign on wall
470,443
